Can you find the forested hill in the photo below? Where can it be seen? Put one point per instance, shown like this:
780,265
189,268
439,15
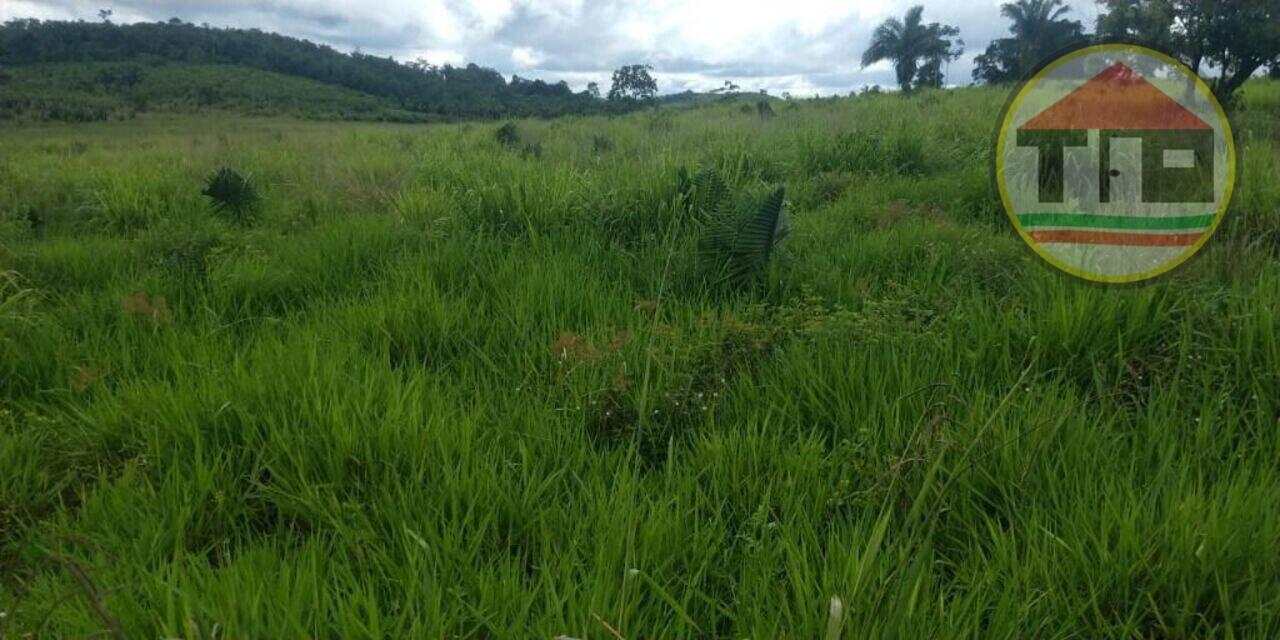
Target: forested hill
446,91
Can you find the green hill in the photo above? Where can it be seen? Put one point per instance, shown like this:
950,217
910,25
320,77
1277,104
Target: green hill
431,91
85,92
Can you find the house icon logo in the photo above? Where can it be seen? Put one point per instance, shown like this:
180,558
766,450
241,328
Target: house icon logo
1115,163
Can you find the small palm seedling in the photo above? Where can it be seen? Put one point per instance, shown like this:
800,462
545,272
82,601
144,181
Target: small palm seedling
736,243
684,183
705,193
233,196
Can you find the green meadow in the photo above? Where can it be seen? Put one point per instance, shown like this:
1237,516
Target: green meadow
444,386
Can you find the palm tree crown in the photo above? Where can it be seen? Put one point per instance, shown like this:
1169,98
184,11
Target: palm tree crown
1039,28
1031,17
907,42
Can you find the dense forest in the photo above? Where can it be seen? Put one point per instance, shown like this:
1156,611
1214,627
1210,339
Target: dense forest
417,87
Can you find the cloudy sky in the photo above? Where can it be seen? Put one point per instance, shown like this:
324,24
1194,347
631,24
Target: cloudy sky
800,46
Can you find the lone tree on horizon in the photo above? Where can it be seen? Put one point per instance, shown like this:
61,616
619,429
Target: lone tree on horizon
632,83
917,50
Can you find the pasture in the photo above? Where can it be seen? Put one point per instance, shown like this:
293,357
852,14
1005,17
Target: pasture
443,385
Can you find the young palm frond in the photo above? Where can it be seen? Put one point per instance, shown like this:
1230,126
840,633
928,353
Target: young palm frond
739,246
706,194
233,195
684,184
735,245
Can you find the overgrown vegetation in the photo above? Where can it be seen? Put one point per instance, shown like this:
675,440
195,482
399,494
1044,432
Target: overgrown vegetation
442,389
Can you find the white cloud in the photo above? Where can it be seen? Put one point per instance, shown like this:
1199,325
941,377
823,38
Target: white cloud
440,56
526,58
800,46
10,9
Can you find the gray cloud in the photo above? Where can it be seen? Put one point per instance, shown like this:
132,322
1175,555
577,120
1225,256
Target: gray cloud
802,46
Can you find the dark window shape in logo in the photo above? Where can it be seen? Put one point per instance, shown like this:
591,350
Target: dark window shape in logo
1177,156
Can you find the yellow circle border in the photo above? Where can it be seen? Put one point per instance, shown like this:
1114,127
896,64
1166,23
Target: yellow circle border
1033,82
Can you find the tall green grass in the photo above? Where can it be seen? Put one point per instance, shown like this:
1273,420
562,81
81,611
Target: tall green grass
443,388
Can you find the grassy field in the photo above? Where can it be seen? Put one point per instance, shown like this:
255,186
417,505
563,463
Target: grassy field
443,387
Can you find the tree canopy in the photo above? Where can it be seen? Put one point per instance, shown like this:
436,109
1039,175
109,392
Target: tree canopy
917,50
633,83
1040,29
1226,41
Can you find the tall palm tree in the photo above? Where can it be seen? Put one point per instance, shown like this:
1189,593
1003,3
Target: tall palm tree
1039,28
907,42
1031,17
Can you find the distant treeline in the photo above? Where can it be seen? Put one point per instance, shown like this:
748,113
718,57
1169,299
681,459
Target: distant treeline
469,91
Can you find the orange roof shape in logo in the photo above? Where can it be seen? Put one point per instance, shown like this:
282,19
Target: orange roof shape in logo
1117,98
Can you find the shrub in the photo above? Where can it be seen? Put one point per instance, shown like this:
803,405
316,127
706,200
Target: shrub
508,135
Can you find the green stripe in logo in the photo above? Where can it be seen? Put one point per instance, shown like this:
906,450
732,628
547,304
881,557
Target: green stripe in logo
1095,221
